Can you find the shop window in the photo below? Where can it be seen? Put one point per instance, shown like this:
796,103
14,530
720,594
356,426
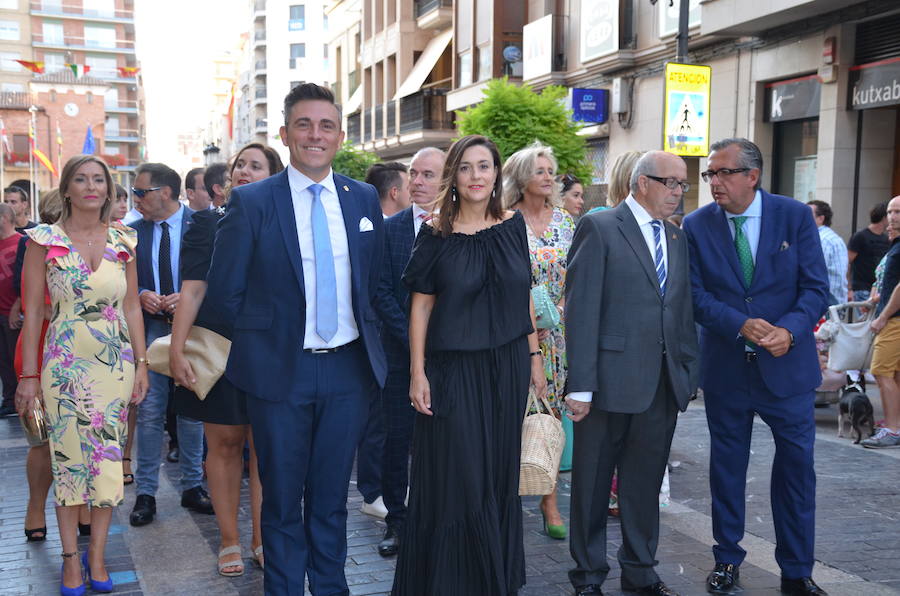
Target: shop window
794,158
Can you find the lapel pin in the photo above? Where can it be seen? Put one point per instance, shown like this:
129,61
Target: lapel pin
345,188
785,245
674,236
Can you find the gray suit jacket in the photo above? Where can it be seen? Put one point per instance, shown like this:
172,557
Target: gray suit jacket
619,329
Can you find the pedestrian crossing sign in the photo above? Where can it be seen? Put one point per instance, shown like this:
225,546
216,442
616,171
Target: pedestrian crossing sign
686,109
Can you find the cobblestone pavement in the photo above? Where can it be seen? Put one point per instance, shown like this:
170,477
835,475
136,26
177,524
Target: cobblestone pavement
857,543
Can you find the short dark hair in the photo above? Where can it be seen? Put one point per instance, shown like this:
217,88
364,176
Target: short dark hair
749,155
878,213
385,176
309,91
189,178
823,209
21,191
214,174
161,175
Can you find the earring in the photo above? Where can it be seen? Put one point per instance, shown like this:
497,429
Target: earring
493,192
453,194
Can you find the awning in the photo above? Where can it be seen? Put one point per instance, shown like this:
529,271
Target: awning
425,65
354,101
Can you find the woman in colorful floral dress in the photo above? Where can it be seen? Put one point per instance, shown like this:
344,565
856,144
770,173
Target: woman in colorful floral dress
94,361
529,187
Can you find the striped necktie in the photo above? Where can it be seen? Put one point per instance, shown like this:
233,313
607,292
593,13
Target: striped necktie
658,255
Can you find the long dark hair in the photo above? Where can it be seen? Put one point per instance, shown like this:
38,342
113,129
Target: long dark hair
448,209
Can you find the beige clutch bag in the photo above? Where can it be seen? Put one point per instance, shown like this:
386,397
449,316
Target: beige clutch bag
206,350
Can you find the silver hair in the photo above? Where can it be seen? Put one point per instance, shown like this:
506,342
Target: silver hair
518,170
646,165
749,155
426,151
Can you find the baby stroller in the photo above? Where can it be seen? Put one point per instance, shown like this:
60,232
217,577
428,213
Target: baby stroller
844,342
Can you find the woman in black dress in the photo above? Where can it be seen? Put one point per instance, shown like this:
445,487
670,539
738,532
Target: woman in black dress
473,350
223,412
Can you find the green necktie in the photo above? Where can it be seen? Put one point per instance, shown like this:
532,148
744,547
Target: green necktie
745,255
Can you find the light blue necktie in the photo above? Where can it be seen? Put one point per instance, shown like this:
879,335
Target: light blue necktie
326,286
658,257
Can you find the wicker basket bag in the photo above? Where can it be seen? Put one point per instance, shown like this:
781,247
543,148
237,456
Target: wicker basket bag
543,442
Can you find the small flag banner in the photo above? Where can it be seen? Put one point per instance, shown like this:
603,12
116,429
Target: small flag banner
128,72
79,69
44,160
35,67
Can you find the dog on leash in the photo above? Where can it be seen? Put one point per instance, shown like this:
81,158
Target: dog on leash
855,409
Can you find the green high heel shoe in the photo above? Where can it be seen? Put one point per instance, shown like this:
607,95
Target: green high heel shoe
556,532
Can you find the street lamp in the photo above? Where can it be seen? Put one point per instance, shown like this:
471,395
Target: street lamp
211,153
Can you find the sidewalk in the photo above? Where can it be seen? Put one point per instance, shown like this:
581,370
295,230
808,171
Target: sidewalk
857,543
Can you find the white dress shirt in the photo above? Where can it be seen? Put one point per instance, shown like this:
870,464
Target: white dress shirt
643,220
752,225
417,219
174,222
302,199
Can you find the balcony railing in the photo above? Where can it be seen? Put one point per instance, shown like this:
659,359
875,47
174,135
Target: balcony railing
261,123
122,106
422,7
391,109
425,110
72,10
81,43
122,135
379,121
353,128
260,65
260,94
367,124
16,99
259,35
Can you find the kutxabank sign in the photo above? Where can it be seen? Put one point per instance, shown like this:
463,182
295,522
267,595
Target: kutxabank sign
875,85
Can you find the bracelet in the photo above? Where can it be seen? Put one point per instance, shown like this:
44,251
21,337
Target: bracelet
21,377
140,361
535,353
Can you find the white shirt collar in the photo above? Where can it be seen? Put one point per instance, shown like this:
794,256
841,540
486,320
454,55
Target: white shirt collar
300,181
753,210
172,220
417,211
640,214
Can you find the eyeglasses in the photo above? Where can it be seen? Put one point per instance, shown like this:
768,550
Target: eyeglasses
721,172
140,192
671,183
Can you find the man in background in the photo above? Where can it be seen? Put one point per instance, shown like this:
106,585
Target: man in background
9,242
835,252
865,250
391,180
214,182
17,198
197,197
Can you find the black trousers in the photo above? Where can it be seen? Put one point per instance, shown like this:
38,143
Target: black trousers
399,419
8,376
638,445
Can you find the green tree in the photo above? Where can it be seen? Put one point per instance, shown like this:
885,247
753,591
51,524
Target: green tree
350,162
514,116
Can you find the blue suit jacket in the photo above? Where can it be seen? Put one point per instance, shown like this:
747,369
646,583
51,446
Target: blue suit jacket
392,303
789,289
144,251
256,282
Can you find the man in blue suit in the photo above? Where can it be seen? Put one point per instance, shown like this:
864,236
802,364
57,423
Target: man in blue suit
392,305
759,286
295,266
163,223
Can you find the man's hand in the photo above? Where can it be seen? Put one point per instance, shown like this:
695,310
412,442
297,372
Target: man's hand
15,314
756,329
778,342
877,324
169,302
577,409
151,302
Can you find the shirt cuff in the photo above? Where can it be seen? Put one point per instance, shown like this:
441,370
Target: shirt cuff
583,396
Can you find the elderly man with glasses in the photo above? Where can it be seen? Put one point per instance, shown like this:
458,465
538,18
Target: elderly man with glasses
760,286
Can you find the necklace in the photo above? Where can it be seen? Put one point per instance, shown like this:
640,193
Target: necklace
531,221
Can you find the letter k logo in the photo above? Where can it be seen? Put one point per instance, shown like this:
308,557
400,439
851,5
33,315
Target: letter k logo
776,104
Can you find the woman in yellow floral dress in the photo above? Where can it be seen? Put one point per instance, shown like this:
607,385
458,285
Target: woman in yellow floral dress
94,357
529,186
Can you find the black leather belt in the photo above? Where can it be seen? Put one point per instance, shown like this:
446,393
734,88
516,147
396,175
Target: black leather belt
750,356
330,350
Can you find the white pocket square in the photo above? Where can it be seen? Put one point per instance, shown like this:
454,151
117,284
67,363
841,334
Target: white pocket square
365,225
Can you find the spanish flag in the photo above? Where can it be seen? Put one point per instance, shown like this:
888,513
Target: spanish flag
128,72
35,67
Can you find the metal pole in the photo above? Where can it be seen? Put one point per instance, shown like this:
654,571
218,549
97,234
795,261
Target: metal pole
684,7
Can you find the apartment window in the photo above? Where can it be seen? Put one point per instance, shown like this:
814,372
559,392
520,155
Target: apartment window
53,32
484,62
102,67
21,146
465,69
297,17
112,127
102,8
10,4
111,98
8,61
53,96
111,148
298,50
54,61
99,36
325,22
12,87
9,30
89,97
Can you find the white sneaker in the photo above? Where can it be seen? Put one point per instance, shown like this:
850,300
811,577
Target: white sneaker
376,508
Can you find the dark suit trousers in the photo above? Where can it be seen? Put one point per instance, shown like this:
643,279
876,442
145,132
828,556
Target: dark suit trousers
370,452
400,419
8,338
638,444
793,482
305,445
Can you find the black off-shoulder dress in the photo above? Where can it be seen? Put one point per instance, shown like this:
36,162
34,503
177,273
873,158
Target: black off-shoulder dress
464,531
225,403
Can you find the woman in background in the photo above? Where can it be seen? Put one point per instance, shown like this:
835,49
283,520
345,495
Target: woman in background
572,191
224,411
529,187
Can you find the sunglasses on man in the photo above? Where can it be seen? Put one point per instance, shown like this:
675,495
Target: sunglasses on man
140,192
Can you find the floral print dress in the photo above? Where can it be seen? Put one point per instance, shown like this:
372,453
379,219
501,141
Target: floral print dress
87,367
548,267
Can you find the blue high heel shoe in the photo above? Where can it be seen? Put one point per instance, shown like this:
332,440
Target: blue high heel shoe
97,586
65,590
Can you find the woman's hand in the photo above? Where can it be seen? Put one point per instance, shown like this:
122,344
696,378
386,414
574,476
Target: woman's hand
141,384
181,369
420,394
538,377
28,394
543,334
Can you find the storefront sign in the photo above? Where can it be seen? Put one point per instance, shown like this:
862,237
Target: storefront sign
599,28
794,99
668,16
537,47
875,85
686,109
590,105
